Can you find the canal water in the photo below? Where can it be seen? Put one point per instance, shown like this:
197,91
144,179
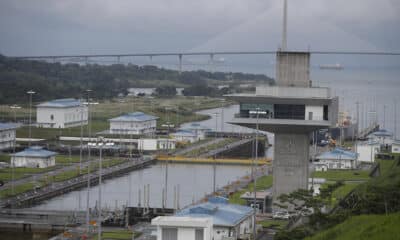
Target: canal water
194,181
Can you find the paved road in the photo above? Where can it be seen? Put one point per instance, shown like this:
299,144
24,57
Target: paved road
197,146
225,148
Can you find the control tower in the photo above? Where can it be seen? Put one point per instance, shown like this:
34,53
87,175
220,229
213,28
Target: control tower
292,109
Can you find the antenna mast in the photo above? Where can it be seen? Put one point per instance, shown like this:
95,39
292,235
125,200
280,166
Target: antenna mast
284,28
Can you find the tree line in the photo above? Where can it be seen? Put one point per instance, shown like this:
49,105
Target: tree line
56,80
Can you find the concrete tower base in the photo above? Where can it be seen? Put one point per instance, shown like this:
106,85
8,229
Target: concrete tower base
291,157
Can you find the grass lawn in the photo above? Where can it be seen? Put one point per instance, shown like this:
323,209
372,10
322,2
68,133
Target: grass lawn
372,227
342,175
20,172
119,235
276,224
5,158
385,165
65,159
7,192
263,183
179,110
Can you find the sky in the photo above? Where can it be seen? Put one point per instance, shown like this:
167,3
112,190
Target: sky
49,27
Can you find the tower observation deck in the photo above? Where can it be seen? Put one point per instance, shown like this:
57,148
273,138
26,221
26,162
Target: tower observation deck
292,110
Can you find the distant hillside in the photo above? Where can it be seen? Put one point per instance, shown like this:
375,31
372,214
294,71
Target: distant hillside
371,227
55,80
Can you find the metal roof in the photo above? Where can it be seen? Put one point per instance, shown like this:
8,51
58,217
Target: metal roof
7,126
61,103
382,133
134,117
184,133
35,151
222,213
338,154
197,126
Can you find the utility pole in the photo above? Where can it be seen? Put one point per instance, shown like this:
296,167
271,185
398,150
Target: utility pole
395,119
384,116
30,92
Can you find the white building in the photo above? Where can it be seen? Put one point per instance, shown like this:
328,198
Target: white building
34,157
7,135
183,228
366,151
382,136
198,129
338,158
151,144
136,123
185,136
230,221
396,146
61,113
141,91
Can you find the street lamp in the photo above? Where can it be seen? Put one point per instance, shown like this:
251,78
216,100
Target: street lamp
14,108
215,156
257,112
88,174
30,92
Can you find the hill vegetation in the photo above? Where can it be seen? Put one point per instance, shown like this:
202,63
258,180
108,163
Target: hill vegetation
376,201
372,227
55,80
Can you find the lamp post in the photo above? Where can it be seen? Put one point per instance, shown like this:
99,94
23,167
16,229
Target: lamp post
215,156
30,92
14,108
222,114
88,174
255,176
100,144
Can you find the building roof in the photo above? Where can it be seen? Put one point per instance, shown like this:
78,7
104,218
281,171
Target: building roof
7,126
61,103
35,151
184,133
259,195
222,213
339,154
134,117
196,126
382,133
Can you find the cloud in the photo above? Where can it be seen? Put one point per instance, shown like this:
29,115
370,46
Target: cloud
74,26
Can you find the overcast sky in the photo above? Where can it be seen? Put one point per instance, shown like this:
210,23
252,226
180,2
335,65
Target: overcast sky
50,27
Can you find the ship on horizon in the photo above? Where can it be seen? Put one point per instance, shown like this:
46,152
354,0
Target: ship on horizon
336,66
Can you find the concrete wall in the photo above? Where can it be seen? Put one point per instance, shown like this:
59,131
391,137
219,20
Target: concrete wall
7,138
62,117
366,153
317,113
395,148
292,69
291,158
293,92
33,162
